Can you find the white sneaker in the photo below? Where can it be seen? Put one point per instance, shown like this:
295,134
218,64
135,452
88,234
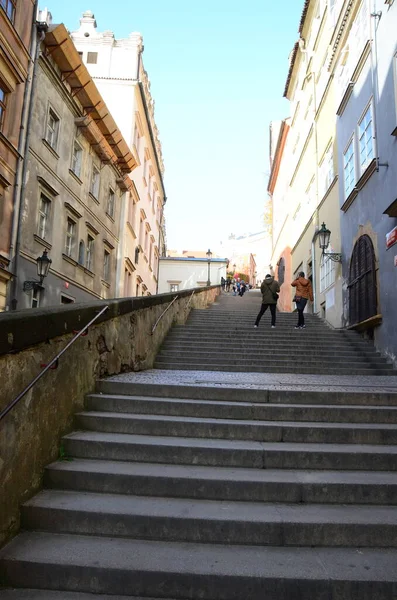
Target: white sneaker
273,327
255,326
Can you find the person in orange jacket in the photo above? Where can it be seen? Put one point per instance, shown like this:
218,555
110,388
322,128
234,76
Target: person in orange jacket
303,293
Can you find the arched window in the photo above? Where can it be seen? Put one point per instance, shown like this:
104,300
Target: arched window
281,271
81,253
362,281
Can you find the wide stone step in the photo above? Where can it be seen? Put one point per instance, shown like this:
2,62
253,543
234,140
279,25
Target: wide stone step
211,522
224,483
20,594
269,431
229,453
237,356
197,571
240,410
292,368
277,391
264,329
256,350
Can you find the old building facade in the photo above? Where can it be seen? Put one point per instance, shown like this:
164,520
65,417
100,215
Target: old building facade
365,54
117,69
76,183
17,44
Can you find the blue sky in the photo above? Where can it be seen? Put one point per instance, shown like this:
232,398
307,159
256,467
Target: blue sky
218,71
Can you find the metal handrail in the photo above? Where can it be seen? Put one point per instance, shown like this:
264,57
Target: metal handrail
162,314
190,299
11,405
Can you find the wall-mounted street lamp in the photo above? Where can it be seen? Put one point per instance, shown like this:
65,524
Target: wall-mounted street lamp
43,266
324,235
209,256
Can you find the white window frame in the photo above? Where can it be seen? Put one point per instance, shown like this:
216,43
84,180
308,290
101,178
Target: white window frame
174,287
77,159
111,203
44,215
52,128
95,181
89,256
35,298
363,138
351,160
70,240
327,171
106,265
327,272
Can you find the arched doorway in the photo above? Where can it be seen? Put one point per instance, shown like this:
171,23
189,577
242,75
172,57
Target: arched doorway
362,281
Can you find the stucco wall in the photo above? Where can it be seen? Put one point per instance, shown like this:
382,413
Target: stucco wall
121,341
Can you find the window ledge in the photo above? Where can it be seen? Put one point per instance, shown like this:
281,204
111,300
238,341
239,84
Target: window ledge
75,176
145,258
110,217
88,272
93,197
42,241
369,170
350,199
50,148
69,259
374,321
394,132
131,229
105,283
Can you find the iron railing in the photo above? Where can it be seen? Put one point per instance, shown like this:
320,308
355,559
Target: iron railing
162,314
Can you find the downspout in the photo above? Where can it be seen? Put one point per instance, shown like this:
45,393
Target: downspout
120,248
374,73
16,199
41,28
316,214
159,242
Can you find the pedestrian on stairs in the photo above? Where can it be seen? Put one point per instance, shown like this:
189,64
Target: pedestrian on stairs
270,289
303,293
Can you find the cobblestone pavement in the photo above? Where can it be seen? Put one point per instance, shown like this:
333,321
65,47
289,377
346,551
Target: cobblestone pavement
262,380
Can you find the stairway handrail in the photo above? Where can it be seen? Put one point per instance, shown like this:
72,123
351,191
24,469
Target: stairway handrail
162,314
13,403
190,299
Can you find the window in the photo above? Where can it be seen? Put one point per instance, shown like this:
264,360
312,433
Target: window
136,255
362,281
106,265
92,58
67,299
327,273
94,188
3,97
52,129
77,158
35,301
81,252
44,212
348,168
327,170
281,271
110,208
9,8
89,263
70,237
174,287
365,139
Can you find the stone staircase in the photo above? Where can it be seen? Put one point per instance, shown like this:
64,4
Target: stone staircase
223,338
184,486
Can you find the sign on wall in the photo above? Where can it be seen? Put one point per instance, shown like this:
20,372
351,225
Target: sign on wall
391,238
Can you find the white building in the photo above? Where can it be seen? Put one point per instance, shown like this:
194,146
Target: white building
184,273
239,248
116,67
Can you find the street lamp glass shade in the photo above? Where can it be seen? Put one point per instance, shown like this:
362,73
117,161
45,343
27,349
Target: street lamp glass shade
323,237
43,265
209,254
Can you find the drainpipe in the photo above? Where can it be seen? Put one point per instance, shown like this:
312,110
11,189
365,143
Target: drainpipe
39,28
314,274
21,140
159,242
375,18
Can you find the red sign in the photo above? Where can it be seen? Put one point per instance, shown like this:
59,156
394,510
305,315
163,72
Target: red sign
67,285
391,238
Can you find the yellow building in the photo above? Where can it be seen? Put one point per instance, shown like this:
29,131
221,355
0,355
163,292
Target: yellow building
309,180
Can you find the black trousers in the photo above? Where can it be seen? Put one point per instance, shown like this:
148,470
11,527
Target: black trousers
300,306
263,310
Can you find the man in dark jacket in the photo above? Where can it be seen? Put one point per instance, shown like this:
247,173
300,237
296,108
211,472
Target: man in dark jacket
270,289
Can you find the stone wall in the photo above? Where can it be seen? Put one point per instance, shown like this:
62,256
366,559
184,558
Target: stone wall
122,340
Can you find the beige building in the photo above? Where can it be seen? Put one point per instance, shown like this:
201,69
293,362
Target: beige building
76,183
116,67
308,169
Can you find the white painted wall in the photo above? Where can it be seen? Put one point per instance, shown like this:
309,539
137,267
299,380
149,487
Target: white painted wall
189,273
